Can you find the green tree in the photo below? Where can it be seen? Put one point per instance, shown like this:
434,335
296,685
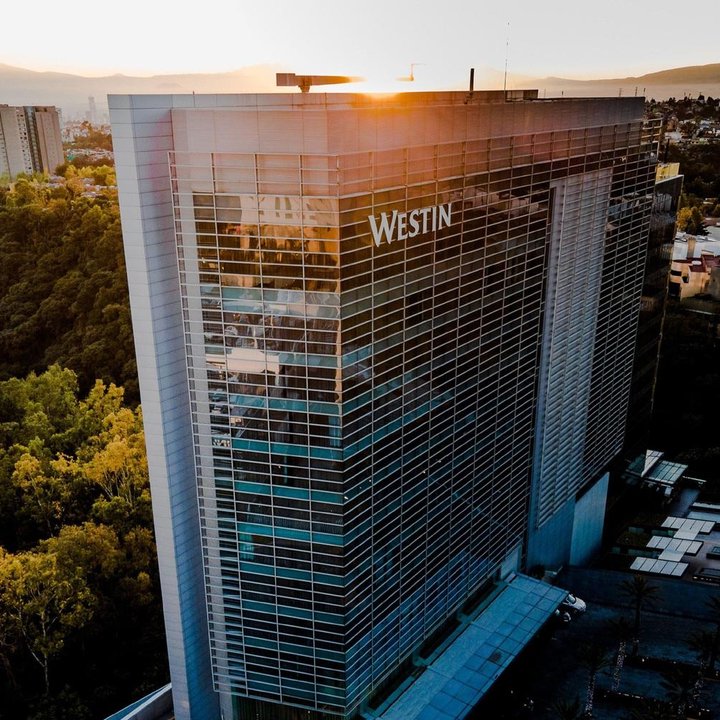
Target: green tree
114,461
61,456
639,592
8,636
37,420
45,496
40,407
63,290
690,220
43,602
75,503
89,548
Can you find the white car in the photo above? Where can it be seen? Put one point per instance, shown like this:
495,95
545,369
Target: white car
574,604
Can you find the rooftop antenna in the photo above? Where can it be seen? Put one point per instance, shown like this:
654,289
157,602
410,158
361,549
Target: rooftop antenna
305,82
507,52
471,88
411,76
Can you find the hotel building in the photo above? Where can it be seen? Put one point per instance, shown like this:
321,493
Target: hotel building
385,348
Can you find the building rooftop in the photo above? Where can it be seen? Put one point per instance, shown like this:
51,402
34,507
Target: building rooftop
665,171
455,681
355,101
704,244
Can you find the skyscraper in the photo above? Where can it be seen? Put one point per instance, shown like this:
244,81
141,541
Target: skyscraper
385,347
29,140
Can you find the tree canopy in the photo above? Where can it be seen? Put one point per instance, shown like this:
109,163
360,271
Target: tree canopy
80,618
63,292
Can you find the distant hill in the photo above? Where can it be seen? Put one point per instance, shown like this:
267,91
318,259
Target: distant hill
676,82
71,92
690,74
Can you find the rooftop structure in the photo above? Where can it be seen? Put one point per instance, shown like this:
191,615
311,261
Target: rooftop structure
650,470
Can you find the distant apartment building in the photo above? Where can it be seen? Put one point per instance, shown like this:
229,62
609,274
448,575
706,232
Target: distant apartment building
30,139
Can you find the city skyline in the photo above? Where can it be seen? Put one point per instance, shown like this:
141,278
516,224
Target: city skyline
378,42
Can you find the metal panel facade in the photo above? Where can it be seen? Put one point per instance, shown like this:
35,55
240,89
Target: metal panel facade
363,291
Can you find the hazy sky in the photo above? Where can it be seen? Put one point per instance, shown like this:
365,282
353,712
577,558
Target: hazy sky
374,38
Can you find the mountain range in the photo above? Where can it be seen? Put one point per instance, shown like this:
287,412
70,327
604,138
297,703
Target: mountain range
71,92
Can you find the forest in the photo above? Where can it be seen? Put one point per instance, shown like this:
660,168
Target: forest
63,290
81,630
699,164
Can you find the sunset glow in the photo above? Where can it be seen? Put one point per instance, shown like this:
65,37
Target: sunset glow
377,40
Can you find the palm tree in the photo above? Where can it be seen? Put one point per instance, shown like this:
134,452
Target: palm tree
623,631
679,685
567,709
639,591
594,658
702,643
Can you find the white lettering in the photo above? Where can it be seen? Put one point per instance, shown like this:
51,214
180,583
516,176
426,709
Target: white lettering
386,228
445,212
403,225
425,212
414,224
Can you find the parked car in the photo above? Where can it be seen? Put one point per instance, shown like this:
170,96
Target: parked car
573,604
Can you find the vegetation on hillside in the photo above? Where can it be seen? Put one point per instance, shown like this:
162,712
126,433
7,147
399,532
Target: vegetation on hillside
63,289
91,137
81,630
700,165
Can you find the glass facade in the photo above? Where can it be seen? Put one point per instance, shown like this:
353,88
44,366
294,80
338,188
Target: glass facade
383,343
620,301
652,310
363,335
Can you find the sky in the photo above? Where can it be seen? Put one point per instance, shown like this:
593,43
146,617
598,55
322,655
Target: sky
377,39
